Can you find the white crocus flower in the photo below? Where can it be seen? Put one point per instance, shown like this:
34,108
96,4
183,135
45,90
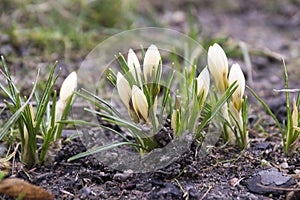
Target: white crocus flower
67,87
124,89
218,66
295,115
236,74
134,66
140,103
203,83
151,62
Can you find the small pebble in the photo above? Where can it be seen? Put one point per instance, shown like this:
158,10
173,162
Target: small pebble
233,182
284,165
121,177
86,190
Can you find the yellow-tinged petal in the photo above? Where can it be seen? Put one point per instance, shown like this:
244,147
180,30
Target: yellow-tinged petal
32,115
140,103
134,65
124,89
151,62
218,66
203,83
68,87
236,74
174,119
295,114
237,116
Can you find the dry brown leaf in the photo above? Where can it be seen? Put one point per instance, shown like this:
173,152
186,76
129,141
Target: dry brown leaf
15,187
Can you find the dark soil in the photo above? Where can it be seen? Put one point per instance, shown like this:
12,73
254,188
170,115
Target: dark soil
223,174
226,172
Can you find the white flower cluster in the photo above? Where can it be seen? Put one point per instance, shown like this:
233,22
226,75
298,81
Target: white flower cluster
218,66
133,97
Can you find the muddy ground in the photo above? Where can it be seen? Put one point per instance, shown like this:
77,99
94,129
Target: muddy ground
226,172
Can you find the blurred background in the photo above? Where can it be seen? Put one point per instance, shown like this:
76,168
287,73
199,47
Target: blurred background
36,33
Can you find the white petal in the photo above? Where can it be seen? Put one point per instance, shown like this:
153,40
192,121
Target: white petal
151,60
124,89
134,65
218,66
140,103
236,74
68,86
203,82
59,109
295,114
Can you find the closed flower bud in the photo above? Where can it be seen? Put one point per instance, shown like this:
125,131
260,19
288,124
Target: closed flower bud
174,119
134,66
218,66
203,83
236,74
151,61
32,115
68,87
124,89
295,114
140,103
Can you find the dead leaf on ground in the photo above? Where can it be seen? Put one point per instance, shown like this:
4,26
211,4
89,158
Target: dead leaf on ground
15,187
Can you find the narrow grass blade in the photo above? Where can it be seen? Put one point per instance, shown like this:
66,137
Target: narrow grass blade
12,120
98,149
215,109
267,109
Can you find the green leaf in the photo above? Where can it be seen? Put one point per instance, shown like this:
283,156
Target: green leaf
12,120
216,108
97,150
267,109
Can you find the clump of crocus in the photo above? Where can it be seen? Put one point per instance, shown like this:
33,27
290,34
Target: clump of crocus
138,89
232,113
139,94
33,122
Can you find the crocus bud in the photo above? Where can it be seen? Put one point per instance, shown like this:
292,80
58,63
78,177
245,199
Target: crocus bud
295,114
218,66
174,119
151,62
140,103
124,89
236,74
134,66
68,87
203,83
